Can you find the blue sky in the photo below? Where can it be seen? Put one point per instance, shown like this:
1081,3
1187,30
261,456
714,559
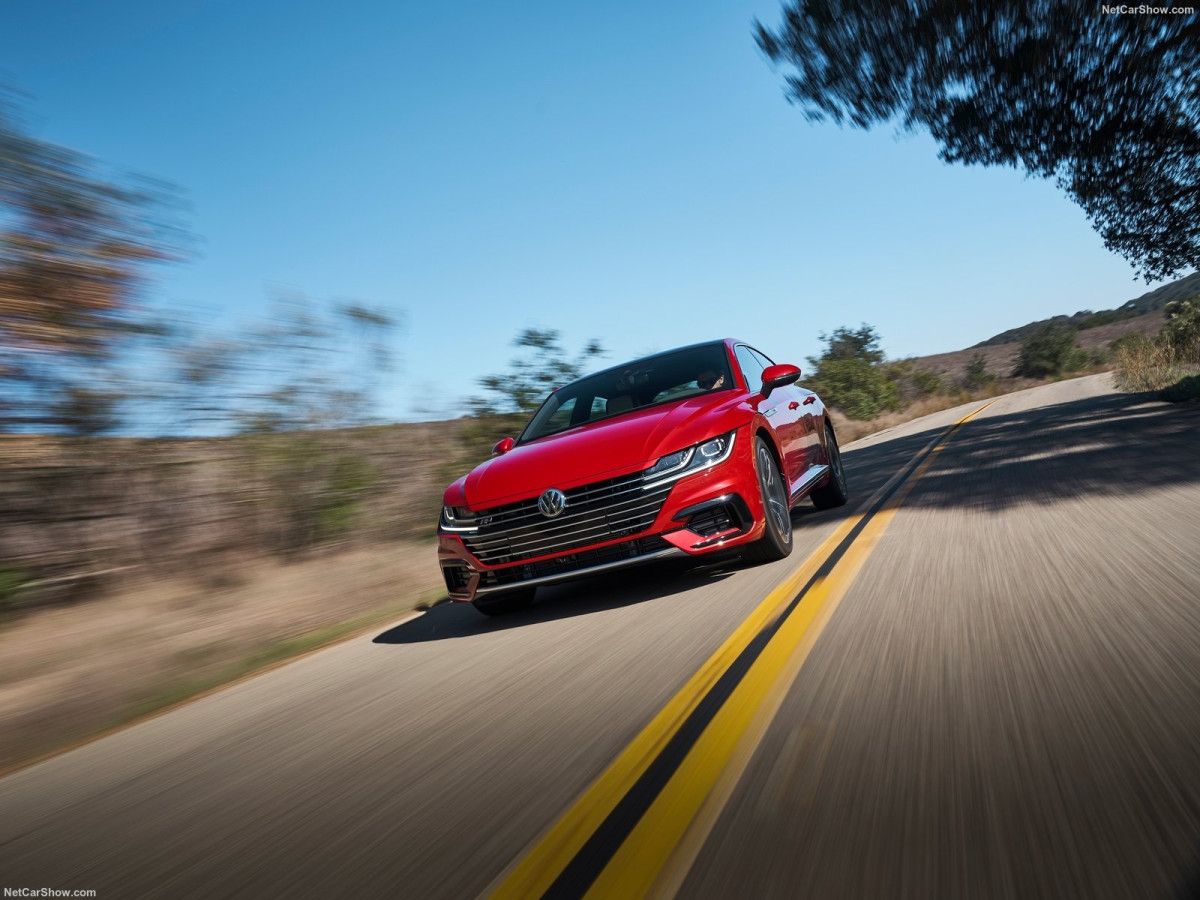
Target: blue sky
623,171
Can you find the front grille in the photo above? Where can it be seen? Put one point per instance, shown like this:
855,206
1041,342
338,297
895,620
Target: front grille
574,561
602,511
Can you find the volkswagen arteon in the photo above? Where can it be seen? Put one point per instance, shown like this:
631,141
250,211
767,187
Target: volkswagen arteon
683,453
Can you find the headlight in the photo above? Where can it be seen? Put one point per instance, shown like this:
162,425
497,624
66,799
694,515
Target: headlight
458,518
692,459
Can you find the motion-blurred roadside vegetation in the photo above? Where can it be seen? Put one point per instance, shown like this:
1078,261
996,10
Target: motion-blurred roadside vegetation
76,249
265,439
1168,361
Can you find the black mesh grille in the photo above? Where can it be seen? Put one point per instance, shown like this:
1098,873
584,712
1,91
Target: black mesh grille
575,561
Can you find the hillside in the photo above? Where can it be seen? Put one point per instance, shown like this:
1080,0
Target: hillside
1160,297
1001,357
1086,320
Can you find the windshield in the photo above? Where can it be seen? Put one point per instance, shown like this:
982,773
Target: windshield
636,385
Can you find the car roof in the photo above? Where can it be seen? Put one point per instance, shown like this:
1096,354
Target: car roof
728,342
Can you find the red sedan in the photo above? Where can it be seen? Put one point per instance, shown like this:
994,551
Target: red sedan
682,453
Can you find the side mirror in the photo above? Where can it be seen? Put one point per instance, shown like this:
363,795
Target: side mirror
777,376
503,446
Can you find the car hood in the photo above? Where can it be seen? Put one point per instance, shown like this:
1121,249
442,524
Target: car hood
602,449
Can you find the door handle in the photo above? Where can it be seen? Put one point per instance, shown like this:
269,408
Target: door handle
793,405
809,399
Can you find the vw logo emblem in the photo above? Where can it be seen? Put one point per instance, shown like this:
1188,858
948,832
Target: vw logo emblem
552,503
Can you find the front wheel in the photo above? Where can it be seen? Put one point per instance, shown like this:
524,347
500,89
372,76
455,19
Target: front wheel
776,542
504,603
833,492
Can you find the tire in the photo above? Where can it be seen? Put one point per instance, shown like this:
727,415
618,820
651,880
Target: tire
504,603
776,542
833,492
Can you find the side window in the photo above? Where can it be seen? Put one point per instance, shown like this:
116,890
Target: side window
762,358
560,420
751,367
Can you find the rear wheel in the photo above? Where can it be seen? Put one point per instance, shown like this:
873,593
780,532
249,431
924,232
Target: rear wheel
504,603
776,542
833,492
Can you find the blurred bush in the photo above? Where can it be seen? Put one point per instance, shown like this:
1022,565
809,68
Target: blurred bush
543,366
912,383
849,374
1181,332
1145,364
977,374
1168,360
77,516
76,249
296,464
1050,351
263,440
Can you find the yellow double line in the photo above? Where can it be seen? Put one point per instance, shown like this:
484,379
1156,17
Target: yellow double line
637,829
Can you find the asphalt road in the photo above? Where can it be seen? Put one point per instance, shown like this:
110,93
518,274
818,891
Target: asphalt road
1004,703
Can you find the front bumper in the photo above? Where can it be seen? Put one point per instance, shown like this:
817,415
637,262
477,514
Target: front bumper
710,510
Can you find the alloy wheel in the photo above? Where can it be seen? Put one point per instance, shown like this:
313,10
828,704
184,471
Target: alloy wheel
774,495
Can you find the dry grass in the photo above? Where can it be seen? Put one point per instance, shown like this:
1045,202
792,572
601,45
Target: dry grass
73,671
78,516
851,430
1152,365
